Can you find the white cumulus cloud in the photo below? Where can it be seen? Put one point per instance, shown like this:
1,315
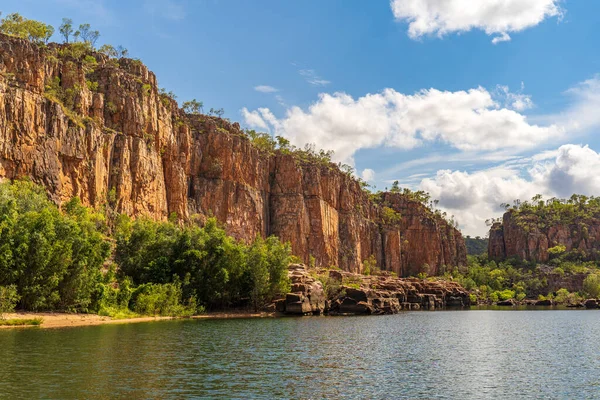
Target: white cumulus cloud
368,175
494,17
471,120
475,197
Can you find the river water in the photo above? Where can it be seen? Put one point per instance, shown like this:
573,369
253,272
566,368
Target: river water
476,354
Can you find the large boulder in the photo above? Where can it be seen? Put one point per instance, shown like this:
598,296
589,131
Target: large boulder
591,304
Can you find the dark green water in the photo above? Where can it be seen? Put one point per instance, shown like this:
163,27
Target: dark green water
446,355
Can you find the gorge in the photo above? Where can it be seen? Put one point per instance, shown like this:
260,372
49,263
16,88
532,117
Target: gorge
85,124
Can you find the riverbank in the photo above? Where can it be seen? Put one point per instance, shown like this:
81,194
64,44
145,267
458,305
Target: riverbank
66,320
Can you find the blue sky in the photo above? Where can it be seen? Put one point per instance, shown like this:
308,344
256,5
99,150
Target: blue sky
475,123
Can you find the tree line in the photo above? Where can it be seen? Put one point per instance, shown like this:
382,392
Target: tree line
78,259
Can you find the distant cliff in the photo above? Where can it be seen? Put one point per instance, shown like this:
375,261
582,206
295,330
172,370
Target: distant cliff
84,124
529,231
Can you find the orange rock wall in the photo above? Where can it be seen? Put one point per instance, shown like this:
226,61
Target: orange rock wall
526,241
127,147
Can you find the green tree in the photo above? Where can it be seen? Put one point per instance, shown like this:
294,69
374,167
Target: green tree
52,257
87,34
217,112
108,50
66,29
17,25
8,299
193,106
591,285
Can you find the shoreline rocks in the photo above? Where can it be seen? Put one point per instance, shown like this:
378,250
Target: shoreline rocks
346,293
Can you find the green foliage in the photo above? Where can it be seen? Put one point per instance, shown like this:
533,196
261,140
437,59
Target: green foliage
52,257
217,112
390,216
21,322
93,86
576,212
492,281
262,141
8,299
505,294
213,268
66,29
162,299
17,25
353,281
591,285
193,106
75,50
267,262
266,143
88,35
370,265
146,89
476,245
564,297
89,63
557,250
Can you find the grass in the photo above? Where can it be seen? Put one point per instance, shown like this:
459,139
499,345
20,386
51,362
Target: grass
21,322
118,313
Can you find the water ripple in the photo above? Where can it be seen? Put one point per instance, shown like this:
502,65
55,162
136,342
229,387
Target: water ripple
417,355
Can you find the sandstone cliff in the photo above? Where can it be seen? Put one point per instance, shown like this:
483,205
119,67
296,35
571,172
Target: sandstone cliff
100,129
383,294
529,236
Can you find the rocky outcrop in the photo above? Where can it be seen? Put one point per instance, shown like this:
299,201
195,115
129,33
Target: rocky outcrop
307,295
349,293
102,130
528,237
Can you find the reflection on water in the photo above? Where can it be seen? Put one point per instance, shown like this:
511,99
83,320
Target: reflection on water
445,355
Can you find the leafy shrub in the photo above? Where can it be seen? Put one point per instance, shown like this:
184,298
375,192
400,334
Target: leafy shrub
93,86
591,285
53,257
17,25
390,216
557,250
8,299
473,298
162,299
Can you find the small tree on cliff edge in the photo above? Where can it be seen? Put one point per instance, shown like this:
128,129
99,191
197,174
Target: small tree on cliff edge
89,36
193,106
66,28
17,25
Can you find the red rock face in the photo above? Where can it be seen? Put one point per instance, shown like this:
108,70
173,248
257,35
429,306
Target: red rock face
526,241
132,149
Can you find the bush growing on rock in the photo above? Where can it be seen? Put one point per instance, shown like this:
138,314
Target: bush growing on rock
591,285
17,25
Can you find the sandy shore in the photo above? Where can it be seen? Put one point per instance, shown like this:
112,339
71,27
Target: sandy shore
64,320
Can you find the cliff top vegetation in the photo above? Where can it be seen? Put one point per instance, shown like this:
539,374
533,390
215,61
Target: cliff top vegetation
79,51
542,214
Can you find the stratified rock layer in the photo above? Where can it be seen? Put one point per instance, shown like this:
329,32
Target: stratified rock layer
381,294
523,238
124,146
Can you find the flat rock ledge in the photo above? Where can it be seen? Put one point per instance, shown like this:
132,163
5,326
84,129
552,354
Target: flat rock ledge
366,295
